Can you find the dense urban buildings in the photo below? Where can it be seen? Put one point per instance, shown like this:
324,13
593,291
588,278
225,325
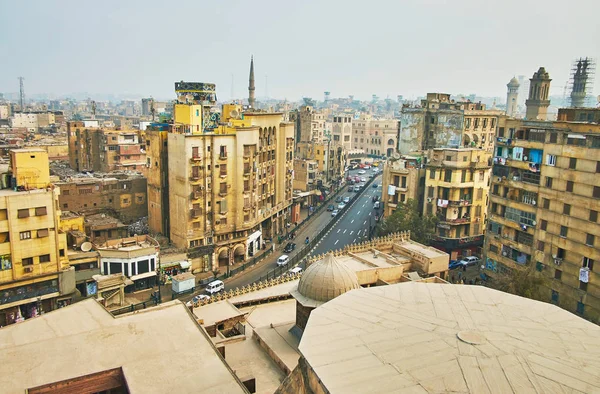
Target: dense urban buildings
402,180
377,137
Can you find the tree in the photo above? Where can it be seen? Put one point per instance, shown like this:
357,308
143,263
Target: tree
407,217
524,282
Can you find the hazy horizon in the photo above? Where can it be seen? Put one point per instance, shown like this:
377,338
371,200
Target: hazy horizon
404,48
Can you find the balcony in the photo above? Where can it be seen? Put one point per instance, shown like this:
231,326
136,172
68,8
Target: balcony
195,178
222,156
196,212
195,158
197,195
460,203
457,221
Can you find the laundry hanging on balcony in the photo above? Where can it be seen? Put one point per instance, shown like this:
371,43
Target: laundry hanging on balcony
584,274
442,203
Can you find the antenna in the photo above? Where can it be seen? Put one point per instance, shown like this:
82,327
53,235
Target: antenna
22,93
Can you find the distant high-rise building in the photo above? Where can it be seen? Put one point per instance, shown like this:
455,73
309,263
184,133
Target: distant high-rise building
538,102
327,96
512,97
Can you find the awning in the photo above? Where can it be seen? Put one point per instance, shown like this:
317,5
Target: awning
578,136
254,236
185,264
143,276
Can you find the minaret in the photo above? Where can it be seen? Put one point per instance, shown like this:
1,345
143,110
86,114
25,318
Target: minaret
511,97
537,103
251,88
580,80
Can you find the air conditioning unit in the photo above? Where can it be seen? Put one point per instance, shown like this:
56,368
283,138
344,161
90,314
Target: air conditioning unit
557,261
533,202
498,179
28,269
429,199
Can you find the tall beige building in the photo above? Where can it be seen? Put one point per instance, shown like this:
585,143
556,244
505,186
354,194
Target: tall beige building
456,190
544,204
230,179
311,125
342,131
401,182
539,91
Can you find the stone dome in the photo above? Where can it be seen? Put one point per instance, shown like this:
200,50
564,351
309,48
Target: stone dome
514,82
325,280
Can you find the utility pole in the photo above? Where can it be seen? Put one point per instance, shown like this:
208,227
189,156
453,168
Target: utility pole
22,93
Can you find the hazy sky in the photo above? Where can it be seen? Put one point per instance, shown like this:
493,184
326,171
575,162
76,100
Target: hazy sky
304,47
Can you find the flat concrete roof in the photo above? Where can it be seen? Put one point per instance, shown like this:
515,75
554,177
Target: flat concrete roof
425,337
427,251
216,312
160,350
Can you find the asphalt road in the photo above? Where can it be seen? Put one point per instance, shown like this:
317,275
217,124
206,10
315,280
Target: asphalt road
353,225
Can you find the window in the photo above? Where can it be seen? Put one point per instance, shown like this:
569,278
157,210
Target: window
596,192
493,248
45,258
546,203
557,274
588,263
223,169
430,190
570,185
544,225
589,239
448,176
598,166
583,286
563,231
541,245
554,298
65,192
25,235
550,160
593,216
27,261
431,174
448,158
553,138
223,151
480,194
195,153
572,163
23,213
500,131
576,140
580,307
61,252
567,209
549,182
42,233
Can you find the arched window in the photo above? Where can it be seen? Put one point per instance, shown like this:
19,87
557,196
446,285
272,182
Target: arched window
390,142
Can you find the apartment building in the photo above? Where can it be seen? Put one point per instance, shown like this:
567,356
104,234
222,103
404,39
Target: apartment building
157,158
456,190
403,179
103,150
342,131
34,269
230,177
124,196
440,122
544,204
377,137
310,125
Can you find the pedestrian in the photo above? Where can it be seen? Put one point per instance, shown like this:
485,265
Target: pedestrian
464,268
459,276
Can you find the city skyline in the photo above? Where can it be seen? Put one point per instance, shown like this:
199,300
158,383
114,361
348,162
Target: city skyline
84,52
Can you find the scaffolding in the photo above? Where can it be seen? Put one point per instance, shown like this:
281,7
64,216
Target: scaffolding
581,82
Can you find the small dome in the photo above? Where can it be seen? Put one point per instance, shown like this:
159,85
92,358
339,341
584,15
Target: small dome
327,279
514,82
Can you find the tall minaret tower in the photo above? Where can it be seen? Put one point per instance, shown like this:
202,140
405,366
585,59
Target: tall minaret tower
511,97
580,75
251,88
537,103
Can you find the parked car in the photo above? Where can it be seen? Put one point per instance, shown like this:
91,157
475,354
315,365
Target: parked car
371,176
454,264
295,271
346,200
330,207
283,260
360,172
363,179
289,247
338,199
376,205
341,205
349,178
375,186
470,260
366,167
200,297
215,286
350,188
335,212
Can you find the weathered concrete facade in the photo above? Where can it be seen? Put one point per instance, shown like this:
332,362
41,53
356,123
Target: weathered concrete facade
400,182
375,136
544,204
124,197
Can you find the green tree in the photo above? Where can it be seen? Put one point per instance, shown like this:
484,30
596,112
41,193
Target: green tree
407,217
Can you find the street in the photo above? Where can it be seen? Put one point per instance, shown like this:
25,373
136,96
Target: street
354,225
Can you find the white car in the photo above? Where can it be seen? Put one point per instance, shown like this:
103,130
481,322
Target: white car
200,297
346,200
361,172
471,260
363,179
366,167
335,212
283,260
341,205
295,271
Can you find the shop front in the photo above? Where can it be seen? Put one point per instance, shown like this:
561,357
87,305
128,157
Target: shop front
170,269
21,303
253,243
143,281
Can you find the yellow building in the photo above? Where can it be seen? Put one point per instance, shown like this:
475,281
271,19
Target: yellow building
230,177
456,190
157,161
544,204
34,270
400,182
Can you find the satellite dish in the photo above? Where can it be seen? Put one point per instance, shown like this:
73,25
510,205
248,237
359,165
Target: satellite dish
234,113
86,246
